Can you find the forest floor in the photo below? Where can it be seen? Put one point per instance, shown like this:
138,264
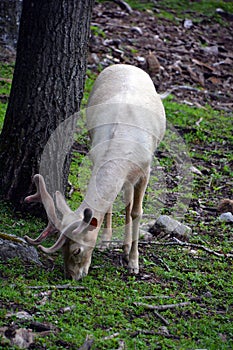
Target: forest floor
192,55
189,286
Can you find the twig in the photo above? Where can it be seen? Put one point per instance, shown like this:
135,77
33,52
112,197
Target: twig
136,333
191,88
170,91
123,5
5,80
161,262
87,344
67,309
192,298
157,297
121,345
191,245
163,307
59,286
142,331
166,322
111,336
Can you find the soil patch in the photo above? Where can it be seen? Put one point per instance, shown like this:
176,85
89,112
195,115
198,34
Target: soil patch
192,59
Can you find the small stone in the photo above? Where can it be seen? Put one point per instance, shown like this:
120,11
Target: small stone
137,30
163,330
208,295
94,58
146,236
211,50
227,217
141,59
188,23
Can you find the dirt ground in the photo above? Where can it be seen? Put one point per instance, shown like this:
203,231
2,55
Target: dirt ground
193,60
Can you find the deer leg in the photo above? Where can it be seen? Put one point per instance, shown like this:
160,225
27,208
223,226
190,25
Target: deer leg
136,214
107,231
128,193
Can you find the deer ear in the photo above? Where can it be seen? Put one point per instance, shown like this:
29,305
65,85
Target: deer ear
93,224
89,219
87,215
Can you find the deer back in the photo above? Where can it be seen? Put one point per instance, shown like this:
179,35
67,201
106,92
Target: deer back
125,115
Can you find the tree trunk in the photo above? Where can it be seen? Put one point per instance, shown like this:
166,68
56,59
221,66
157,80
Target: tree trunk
47,89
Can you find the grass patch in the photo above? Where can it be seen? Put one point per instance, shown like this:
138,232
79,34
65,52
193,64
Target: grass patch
6,73
172,10
188,8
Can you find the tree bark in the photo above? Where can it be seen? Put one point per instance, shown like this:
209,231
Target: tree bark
47,89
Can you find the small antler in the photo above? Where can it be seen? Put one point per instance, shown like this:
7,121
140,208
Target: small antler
42,195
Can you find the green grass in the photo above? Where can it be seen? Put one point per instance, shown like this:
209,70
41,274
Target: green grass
202,7
172,10
6,72
106,305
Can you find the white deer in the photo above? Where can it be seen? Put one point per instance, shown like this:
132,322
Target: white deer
126,120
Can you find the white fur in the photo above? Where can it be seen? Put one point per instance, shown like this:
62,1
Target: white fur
126,121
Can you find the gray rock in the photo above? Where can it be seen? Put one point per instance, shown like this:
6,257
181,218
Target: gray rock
165,225
12,246
145,235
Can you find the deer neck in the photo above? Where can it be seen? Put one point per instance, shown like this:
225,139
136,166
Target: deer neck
105,184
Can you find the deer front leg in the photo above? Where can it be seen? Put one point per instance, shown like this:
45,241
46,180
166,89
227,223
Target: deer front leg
136,214
107,231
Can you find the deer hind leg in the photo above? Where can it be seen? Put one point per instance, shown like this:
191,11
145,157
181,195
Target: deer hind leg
107,231
136,214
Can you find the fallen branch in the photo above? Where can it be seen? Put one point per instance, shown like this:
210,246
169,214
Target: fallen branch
163,319
191,88
191,245
191,298
157,297
59,286
163,307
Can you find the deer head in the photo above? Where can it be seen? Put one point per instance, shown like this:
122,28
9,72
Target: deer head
76,237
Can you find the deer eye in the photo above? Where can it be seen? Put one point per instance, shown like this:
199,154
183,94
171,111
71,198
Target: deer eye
77,251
